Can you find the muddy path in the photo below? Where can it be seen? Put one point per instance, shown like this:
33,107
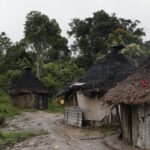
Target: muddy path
60,136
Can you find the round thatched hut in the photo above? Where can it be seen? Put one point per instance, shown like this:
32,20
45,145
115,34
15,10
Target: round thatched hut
132,96
114,68
29,91
87,90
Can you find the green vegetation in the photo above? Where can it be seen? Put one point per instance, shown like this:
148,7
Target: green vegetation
45,50
6,108
8,111
45,37
10,138
109,127
55,107
87,132
56,77
95,35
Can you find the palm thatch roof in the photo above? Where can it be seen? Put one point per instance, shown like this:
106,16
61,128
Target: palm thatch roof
27,83
134,90
114,68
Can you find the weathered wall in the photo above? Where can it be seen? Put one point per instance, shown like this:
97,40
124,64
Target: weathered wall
134,124
147,126
24,101
143,138
136,130
92,108
71,100
30,101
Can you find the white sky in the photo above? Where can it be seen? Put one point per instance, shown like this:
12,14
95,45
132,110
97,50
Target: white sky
13,12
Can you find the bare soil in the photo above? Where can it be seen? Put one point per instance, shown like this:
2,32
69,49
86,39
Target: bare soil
59,137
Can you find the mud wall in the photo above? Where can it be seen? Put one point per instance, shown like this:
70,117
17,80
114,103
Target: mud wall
24,101
30,100
93,109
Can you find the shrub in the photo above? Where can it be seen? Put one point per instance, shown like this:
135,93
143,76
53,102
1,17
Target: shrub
2,119
11,138
6,108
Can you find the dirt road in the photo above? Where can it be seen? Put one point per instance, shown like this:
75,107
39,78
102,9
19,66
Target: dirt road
60,136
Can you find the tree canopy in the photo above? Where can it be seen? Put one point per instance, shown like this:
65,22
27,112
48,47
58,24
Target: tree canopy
45,50
44,36
96,34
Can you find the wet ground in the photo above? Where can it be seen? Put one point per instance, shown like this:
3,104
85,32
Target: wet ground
60,136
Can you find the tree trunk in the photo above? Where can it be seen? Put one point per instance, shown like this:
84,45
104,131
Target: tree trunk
38,66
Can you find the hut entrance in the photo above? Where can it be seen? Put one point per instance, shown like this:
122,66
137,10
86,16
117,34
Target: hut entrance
126,119
40,103
135,120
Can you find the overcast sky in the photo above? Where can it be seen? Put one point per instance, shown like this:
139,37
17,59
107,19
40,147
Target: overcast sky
13,12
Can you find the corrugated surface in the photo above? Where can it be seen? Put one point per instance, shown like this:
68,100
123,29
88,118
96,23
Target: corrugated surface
73,116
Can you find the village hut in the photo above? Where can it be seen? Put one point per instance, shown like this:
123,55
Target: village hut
85,93
132,97
29,91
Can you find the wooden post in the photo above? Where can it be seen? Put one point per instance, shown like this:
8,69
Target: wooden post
121,134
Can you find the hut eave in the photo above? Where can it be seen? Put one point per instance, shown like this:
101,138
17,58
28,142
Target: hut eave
134,90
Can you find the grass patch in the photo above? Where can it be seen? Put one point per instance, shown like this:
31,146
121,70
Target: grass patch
54,107
87,132
109,127
6,108
8,139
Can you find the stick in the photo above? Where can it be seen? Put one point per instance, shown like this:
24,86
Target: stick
92,138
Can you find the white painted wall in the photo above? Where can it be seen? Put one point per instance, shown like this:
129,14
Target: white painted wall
93,109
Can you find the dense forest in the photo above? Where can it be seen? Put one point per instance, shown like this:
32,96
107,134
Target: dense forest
54,61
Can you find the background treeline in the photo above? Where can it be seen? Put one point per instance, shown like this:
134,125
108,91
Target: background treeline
53,61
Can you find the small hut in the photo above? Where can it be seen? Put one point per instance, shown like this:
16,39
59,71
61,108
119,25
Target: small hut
29,91
85,93
132,96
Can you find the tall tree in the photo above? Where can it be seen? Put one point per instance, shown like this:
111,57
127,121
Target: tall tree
18,57
135,53
146,47
41,33
94,35
5,44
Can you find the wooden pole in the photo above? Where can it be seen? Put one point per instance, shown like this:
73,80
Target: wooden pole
121,127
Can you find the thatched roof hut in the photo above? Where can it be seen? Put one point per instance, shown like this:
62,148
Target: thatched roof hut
86,91
27,83
114,68
132,97
28,91
134,90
